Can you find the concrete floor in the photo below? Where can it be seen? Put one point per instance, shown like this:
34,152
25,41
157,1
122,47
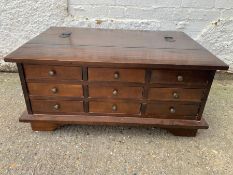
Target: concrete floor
115,150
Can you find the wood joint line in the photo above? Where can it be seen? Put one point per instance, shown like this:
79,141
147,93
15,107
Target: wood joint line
85,89
146,90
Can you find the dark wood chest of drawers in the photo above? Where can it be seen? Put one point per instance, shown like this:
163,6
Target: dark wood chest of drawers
117,77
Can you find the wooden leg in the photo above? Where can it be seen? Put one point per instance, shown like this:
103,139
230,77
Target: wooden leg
44,126
183,132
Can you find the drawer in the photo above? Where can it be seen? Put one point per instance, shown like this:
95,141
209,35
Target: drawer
115,91
172,109
56,106
114,107
52,89
111,74
185,77
176,94
52,72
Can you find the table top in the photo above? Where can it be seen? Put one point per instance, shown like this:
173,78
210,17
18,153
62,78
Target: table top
164,49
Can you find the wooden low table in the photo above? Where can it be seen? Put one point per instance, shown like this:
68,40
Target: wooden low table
115,77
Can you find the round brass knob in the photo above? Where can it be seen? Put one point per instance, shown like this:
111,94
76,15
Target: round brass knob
115,92
175,95
52,72
56,106
54,90
172,110
114,107
180,78
116,75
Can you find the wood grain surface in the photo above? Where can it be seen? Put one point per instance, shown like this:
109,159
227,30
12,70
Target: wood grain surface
132,48
64,106
125,75
111,120
176,94
114,91
55,89
190,77
60,72
164,109
121,107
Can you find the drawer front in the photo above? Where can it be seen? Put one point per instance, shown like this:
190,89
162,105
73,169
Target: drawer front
54,106
183,77
114,107
52,72
111,74
51,89
176,94
115,91
172,109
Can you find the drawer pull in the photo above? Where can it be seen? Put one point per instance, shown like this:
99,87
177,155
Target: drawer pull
115,92
172,110
52,73
56,106
54,90
180,78
169,39
114,107
65,34
116,75
175,95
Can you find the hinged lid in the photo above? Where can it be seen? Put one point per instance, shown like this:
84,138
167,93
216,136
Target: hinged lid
164,49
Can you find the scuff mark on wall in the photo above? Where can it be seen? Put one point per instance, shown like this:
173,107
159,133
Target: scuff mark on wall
98,21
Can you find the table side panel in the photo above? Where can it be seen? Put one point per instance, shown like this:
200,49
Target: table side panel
24,87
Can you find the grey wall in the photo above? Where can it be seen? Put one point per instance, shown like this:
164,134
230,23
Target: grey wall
20,20
210,22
